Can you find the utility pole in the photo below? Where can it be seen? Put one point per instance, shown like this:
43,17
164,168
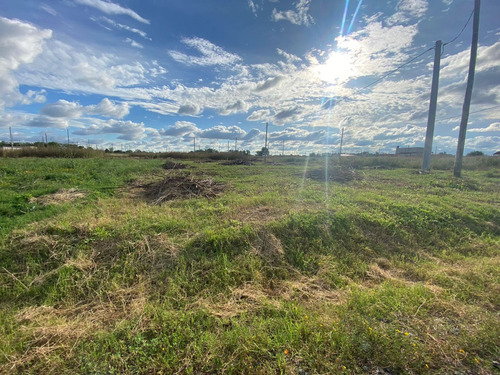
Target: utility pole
431,119
457,171
341,141
227,146
235,143
46,140
11,139
266,150
67,131
194,144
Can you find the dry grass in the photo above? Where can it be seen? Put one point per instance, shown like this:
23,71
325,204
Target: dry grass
50,329
59,197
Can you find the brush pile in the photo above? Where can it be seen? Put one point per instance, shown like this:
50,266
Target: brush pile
172,164
238,162
182,187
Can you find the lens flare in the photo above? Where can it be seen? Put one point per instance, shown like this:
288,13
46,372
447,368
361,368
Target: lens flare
343,19
354,17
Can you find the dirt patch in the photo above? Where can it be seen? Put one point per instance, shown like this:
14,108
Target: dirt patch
59,197
335,173
181,187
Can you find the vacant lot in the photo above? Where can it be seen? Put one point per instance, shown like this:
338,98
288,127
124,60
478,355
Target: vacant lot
122,265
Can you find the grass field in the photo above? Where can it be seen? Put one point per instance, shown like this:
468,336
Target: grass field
273,269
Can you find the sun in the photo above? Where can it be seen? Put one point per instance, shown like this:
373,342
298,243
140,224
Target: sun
337,68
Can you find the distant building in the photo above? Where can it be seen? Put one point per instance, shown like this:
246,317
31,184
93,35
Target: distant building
409,151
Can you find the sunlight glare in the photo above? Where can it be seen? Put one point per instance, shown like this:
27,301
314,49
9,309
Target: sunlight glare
339,67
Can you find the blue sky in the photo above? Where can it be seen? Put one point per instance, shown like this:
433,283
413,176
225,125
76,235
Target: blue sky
153,74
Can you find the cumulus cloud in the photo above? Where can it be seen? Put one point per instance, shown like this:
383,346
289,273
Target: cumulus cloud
494,127
180,128
127,130
48,122
20,43
237,107
299,16
111,8
297,134
222,132
189,110
260,115
62,108
65,109
210,53
268,84
288,115
108,108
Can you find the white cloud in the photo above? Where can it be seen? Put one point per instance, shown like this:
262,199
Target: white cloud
299,16
222,132
48,9
236,107
62,109
494,127
189,110
210,53
408,11
126,27
133,43
20,44
127,130
48,122
111,8
108,108
180,128
65,109
254,7
260,115
76,68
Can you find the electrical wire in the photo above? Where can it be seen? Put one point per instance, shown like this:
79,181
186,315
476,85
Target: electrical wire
383,77
461,31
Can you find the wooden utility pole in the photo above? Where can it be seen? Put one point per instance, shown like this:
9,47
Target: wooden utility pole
67,131
341,141
431,119
11,139
266,151
457,171
46,140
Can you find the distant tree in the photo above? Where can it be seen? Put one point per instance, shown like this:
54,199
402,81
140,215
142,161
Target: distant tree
263,152
475,153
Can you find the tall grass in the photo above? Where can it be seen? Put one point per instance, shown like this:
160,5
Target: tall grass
52,152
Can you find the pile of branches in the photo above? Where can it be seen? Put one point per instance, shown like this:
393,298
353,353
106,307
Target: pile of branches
238,162
172,164
182,187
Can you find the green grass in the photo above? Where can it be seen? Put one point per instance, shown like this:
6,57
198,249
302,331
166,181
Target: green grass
390,271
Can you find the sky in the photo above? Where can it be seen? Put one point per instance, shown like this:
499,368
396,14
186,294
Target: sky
158,75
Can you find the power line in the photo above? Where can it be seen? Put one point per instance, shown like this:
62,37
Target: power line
457,116
461,31
382,77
